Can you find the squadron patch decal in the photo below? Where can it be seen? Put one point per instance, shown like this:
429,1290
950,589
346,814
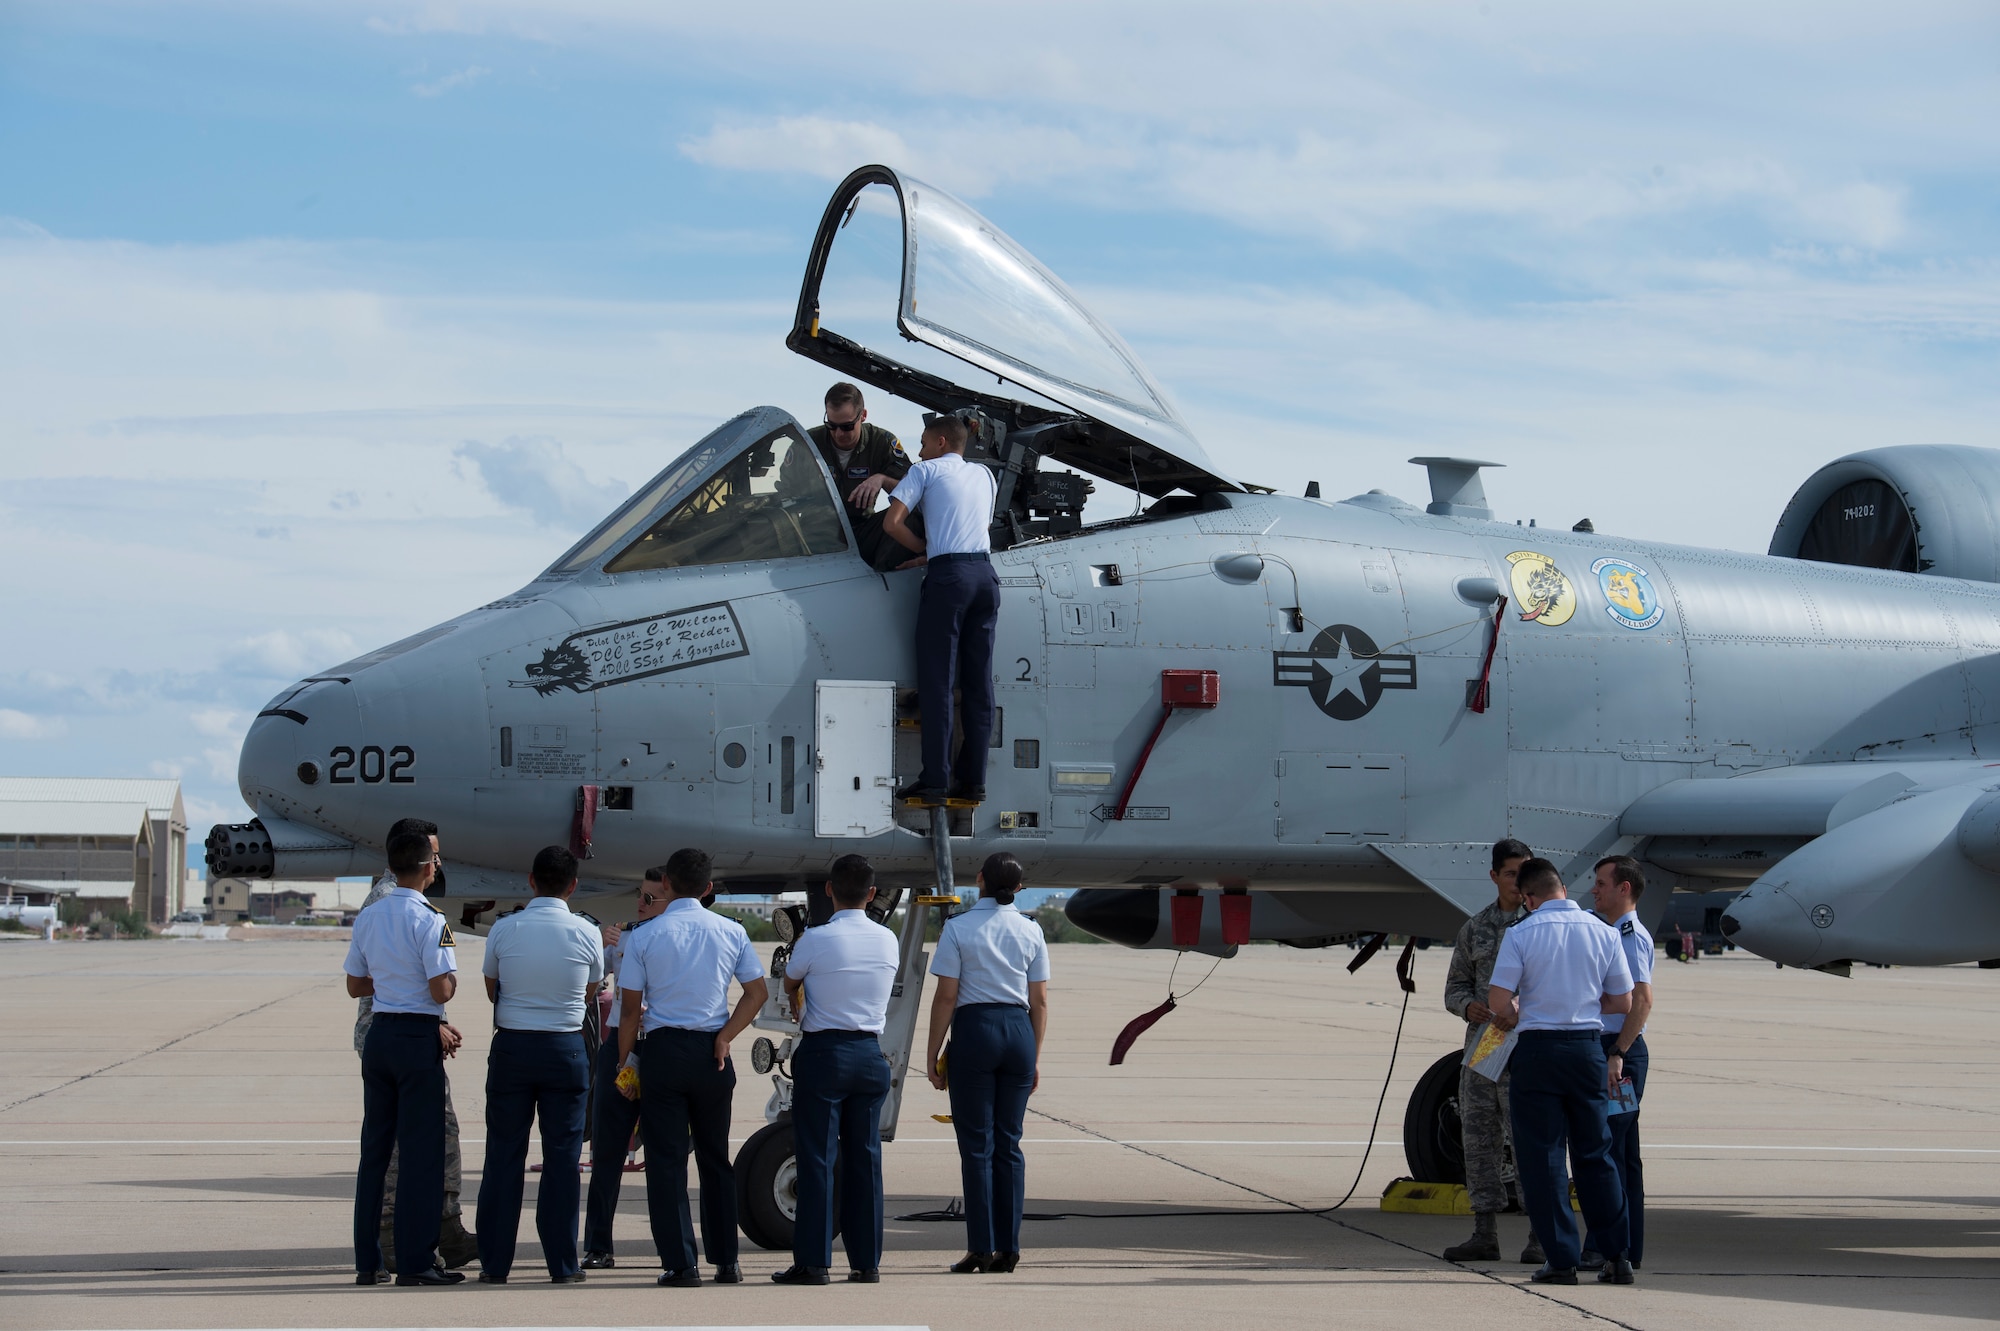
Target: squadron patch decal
616,653
1629,597
1542,591
1344,672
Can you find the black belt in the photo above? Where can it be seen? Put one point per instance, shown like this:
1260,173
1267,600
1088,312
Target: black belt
407,1016
852,1035
959,558
516,1030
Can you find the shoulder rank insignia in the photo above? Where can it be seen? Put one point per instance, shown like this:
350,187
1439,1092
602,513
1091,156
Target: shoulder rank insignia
1626,928
444,935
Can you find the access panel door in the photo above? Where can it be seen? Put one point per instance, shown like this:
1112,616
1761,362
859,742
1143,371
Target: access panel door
855,753
1341,798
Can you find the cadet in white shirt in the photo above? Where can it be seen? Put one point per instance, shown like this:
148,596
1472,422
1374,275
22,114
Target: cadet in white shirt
401,955
613,1114
1619,885
1558,970
957,610
679,968
456,1244
992,972
543,966
843,970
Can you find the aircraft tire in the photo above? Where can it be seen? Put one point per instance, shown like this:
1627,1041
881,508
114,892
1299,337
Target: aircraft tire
767,1188
1432,1142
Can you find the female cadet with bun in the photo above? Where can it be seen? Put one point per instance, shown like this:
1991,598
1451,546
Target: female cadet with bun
992,971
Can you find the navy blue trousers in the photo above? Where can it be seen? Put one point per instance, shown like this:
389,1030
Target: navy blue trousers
956,615
839,1081
990,1071
684,1102
614,1117
402,1097
1558,1100
530,1074
1625,1154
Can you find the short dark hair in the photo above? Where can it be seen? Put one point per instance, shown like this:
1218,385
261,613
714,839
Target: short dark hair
656,874
851,877
1537,877
1003,875
844,394
409,852
1507,848
687,871
947,427
407,826
554,871
1625,869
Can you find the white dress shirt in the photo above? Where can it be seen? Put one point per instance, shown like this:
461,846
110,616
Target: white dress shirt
994,952
683,963
543,957
1638,948
613,955
957,498
402,943
849,966
1561,960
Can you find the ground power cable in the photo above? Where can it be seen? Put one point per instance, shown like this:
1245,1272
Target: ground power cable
953,1212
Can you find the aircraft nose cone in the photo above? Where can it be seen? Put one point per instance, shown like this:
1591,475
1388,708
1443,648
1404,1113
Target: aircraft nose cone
1769,921
1128,915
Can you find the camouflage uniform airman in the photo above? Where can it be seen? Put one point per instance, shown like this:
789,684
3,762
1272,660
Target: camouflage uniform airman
1482,1105
456,1244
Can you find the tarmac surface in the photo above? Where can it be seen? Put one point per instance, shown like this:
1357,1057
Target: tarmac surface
179,1121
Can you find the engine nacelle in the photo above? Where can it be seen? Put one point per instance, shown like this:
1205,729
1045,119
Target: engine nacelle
1920,508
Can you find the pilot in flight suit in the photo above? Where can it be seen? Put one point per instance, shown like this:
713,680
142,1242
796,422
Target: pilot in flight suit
864,460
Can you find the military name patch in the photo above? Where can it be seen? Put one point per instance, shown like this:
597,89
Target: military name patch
596,658
1629,597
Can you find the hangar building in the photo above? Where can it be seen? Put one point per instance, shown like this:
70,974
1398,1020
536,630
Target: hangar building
108,842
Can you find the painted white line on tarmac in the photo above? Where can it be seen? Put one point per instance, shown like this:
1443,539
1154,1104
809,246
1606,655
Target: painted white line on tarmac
1027,1141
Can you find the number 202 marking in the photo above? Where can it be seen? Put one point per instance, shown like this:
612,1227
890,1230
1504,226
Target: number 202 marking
374,765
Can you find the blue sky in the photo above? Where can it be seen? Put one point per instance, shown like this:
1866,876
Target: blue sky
322,322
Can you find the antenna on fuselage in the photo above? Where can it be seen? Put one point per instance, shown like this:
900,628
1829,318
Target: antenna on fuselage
1456,490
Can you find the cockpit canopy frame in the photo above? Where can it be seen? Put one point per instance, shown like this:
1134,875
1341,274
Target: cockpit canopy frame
1124,431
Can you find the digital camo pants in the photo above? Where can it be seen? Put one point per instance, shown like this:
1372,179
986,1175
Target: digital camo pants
1486,1123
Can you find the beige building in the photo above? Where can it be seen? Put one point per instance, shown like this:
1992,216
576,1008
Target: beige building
234,900
108,842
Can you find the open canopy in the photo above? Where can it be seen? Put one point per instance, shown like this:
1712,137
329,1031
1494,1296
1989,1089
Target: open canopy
967,289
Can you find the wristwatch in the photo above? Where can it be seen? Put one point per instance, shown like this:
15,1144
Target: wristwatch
1614,1052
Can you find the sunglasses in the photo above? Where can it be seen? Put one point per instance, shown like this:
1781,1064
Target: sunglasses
843,427
647,898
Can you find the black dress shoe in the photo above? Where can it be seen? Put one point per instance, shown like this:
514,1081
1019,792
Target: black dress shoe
729,1273
1617,1271
970,794
688,1279
1549,1275
1590,1261
598,1261
372,1277
433,1276
919,793
1004,1263
972,1264
801,1275
488,1278
572,1278
870,1276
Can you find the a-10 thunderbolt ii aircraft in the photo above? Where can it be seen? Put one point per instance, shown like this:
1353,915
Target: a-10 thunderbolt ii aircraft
1284,717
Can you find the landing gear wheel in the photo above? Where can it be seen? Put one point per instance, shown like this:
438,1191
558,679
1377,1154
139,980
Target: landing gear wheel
767,1188
1433,1141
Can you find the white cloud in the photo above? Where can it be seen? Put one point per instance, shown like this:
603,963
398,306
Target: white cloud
22,725
218,722
463,78
535,474
284,653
